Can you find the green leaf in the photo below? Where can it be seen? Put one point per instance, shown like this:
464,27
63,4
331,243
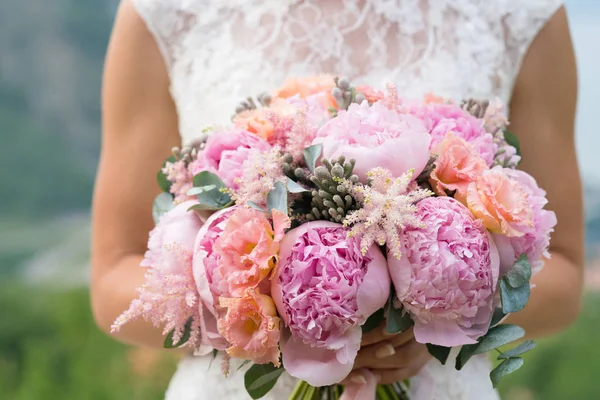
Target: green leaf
373,321
260,379
211,196
256,206
397,319
242,365
200,189
277,198
163,203
497,317
496,337
294,187
513,299
520,273
517,351
439,352
187,330
161,178
506,367
512,140
311,155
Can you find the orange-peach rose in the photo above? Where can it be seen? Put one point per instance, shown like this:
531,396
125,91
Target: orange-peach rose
500,203
259,121
370,94
251,326
458,164
306,86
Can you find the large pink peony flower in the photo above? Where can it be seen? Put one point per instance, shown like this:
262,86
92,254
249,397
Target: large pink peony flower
376,136
536,239
441,118
325,289
169,296
225,154
447,275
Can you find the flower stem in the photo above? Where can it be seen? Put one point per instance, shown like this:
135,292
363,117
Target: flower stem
299,390
309,394
382,393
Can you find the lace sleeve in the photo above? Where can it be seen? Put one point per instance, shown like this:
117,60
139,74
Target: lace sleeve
523,21
168,23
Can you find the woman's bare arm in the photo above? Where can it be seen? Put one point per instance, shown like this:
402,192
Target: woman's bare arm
542,114
139,129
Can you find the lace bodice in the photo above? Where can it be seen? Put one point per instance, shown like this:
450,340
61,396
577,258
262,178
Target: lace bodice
218,52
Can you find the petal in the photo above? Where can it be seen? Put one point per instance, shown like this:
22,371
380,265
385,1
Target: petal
375,288
281,222
441,333
401,274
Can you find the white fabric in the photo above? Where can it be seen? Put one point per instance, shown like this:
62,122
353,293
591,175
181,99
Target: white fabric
220,51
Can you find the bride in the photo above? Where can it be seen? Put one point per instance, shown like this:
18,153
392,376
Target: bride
175,66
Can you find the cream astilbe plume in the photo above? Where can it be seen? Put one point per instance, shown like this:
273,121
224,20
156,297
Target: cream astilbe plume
387,205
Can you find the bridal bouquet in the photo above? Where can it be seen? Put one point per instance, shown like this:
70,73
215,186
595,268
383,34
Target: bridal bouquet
327,210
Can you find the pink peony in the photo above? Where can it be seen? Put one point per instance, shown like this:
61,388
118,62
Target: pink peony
501,203
225,154
457,165
325,289
447,276
169,296
441,118
251,326
376,136
536,240
235,250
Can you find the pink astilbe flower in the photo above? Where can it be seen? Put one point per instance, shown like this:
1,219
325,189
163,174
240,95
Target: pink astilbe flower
536,239
301,135
251,326
325,289
448,274
180,176
387,205
169,296
259,175
494,118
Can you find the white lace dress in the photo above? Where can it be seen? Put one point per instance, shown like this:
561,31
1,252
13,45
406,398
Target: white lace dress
220,51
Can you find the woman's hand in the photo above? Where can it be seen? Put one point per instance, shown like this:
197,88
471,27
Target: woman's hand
391,358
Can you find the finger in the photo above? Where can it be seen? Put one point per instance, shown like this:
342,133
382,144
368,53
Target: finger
388,376
385,355
380,334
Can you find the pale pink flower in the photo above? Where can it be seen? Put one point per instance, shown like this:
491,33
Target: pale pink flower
169,296
325,289
502,204
447,276
457,165
376,136
441,118
386,206
225,154
536,240
495,118
251,327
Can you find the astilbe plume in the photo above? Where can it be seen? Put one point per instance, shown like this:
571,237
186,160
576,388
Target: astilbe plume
388,205
259,175
180,176
300,137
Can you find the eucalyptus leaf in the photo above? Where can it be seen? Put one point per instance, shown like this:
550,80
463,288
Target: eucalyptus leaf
439,352
520,273
512,140
496,337
211,196
243,364
163,203
161,178
294,187
497,317
260,379
255,206
397,319
373,321
517,351
513,299
506,367
187,330
311,155
277,198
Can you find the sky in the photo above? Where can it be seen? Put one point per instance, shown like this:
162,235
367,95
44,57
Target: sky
584,19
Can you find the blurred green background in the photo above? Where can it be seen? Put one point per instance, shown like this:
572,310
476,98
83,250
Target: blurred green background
51,56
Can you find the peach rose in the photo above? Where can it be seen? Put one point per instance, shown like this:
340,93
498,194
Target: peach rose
251,327
431,98
268,122
248,248
458,164
370,94
500,203
305,86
